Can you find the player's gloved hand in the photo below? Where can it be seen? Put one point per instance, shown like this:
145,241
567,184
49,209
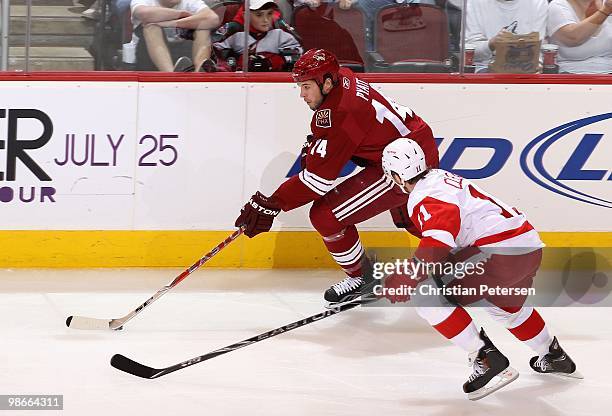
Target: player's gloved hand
401,219
400,285
305,150
258,214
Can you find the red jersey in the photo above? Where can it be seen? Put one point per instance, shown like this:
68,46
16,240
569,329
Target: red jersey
354,120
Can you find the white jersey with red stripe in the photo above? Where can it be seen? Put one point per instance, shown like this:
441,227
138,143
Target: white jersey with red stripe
452,211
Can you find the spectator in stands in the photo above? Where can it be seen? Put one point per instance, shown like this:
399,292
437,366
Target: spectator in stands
120,6
272,46
92,12
371,7
487,19
286,8
583,31
150,17
343,4
453,12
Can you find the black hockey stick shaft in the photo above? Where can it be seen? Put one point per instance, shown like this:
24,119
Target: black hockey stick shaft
128,365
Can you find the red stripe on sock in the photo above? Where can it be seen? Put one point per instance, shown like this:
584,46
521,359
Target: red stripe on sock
454,324
343,243
530,328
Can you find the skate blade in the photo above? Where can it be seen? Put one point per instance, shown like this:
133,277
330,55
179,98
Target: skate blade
505,377
332,305
576,375
368,298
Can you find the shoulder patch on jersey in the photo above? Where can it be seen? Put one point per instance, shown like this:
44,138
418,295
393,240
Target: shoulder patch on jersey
346,83
323,118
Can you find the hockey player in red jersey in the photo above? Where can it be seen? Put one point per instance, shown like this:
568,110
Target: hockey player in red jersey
455,216
351,121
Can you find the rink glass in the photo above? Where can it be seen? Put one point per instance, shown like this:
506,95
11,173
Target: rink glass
381,36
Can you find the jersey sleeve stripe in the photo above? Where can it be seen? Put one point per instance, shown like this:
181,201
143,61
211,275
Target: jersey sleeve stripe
504,235
317,184
319,179
442,236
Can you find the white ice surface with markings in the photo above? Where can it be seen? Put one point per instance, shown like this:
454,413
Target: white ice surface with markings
367,360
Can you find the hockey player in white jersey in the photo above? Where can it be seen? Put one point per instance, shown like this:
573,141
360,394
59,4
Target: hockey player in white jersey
457,220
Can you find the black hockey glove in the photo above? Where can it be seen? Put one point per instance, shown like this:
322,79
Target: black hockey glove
258,214
401,219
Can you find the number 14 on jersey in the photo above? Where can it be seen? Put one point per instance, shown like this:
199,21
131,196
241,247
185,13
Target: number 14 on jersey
319,147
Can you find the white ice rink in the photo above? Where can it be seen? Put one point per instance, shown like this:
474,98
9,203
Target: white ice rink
384,361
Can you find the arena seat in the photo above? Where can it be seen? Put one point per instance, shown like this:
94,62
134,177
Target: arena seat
342,32
410,38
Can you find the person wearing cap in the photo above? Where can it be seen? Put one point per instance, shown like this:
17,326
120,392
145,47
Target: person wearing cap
273,44
150,17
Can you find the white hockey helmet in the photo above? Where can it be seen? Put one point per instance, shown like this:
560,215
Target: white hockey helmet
404,158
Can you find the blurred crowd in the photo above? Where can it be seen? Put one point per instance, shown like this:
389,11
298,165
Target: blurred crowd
481,36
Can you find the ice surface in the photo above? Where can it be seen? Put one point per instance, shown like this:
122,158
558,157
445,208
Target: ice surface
368,360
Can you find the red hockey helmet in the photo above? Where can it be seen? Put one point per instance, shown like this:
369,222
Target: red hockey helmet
315,64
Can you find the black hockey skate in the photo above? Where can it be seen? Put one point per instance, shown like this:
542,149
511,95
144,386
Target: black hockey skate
345,291
556,362
353,288
492,370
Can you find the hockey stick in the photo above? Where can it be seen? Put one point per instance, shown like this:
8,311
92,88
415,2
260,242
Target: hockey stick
82,322
130,366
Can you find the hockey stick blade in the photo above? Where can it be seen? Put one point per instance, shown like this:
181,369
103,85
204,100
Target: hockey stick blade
123,363
82,322
130,366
